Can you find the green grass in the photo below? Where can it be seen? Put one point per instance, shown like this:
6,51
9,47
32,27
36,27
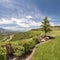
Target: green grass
45,51
48,51
26,35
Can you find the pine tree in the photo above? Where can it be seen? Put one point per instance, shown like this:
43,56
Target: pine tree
45,26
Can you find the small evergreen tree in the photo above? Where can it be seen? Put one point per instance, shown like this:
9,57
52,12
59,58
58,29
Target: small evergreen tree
45,26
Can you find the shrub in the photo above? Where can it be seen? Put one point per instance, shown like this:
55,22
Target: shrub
35,39
18,50
29,45
2,54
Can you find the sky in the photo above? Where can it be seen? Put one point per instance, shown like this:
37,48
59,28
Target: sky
23,15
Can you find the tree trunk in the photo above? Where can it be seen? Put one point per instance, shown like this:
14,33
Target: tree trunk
45,32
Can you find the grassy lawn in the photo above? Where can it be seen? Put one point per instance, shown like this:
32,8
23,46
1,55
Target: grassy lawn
48,51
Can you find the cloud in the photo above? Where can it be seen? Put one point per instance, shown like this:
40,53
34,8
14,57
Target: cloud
53,21
52,24
5,21
26,22
24,15
15,28
21,23
18,9
29,17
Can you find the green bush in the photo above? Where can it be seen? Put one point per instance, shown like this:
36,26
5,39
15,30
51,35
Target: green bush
35,39
18,50
2,57
2,54
23,46
29,45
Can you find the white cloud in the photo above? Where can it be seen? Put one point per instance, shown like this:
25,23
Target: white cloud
33,23
16,29
10,28
24,23
52,24
29,17
25,14
49,18
5,21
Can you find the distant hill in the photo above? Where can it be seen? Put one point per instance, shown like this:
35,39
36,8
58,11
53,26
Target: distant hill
29,34
5,31
2,31
56,26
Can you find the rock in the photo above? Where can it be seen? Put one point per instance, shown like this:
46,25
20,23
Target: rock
43,40
14,59
47,38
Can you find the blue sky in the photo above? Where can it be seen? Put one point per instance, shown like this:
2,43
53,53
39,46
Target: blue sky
23,15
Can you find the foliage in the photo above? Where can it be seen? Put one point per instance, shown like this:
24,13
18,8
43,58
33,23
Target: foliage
23,47
18,50
35,39
46,25
2,54
26,35
29,45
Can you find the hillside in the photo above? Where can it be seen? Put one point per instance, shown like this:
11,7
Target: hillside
27,35
24,42
5,31
49,50
35,32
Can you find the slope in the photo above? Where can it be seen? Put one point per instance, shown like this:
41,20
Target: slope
49,50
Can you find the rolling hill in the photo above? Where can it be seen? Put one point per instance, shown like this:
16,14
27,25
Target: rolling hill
51,49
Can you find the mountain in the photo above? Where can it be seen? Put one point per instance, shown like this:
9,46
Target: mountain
5,31
2,30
